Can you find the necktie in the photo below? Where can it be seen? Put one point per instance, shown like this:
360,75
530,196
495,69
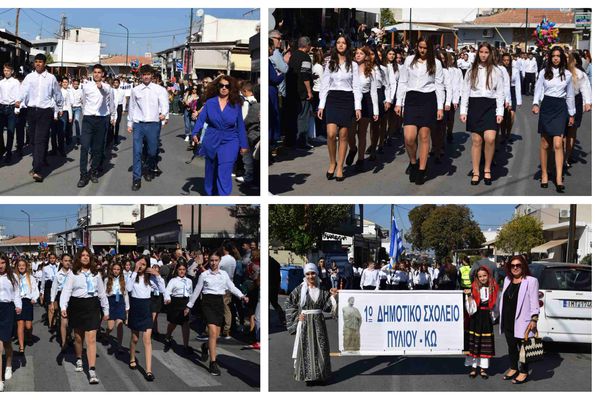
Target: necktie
90,284
23,286
117,291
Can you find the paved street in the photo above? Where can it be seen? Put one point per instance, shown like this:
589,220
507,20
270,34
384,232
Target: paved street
516,171
421,373
178,177
39,371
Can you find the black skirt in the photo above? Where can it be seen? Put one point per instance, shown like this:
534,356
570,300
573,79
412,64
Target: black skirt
366,106
578,111
420,109
481,115
84,313
339,108
175,310
140,316
156,303
26,310
57,298
116,309
381,100
449,115
47,292
7,321
481,335
554,116
213,309
513,98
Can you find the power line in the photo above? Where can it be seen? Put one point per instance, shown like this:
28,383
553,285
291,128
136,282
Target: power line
5,11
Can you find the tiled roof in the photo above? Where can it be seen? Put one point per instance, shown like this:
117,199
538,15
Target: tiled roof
535,16
120,60
25,239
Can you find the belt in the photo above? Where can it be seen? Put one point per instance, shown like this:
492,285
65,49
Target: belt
96,116
299,330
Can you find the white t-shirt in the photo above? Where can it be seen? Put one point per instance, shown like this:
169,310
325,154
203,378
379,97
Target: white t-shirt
228,265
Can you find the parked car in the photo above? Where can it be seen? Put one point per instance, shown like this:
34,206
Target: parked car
565,298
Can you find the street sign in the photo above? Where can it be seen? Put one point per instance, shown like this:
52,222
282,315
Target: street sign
179,66
583,19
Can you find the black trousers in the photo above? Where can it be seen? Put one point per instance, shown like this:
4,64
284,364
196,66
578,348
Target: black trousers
529,83
93,132
39,120
115,128
514,347
20,129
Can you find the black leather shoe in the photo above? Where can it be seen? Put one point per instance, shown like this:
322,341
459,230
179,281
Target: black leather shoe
412,172
137,184
544,185
148,176
420,176
487,181
38,178
329,175
83,180
94,178
350,156
560,188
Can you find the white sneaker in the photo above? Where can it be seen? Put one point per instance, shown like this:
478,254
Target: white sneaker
202,338
227,337
93,378
7,373
79,366
187,139
1,386
240,179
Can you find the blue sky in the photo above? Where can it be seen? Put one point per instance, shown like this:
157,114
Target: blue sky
44,218
150,29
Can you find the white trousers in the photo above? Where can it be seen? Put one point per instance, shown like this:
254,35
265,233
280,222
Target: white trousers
475,362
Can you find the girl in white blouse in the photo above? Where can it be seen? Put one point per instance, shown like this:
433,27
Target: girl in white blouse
369,107
482,109
456,77
369,279
10,304
317,72
83,301
66,263
391,121
28,290
554,101
340,98
582,89
378,128
440,131
420,100
118,301
178,292
514,79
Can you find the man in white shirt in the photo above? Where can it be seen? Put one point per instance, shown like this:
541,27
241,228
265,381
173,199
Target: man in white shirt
119,95
9,94
148,108
98,108
40,93
531,70
76,97
62,125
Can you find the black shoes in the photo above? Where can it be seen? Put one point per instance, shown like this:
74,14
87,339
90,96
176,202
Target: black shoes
83,180
544,185
37,177
214,369
560,188
487,181
420,176
360,166
94,177
329,175
137,184
412,172
351,155
475,182
148,176
204,352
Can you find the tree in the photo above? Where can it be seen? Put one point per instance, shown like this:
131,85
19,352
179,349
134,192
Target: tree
450,227
300,227
49,58
387,17
587,260
520,234
416,217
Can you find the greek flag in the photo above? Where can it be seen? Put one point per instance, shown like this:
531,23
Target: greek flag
396,247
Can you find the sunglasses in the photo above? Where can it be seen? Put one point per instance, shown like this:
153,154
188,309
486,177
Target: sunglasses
309,273
516,265
222,85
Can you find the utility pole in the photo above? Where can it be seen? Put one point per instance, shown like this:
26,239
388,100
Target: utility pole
189,55
63,28
17,42
526,28
571,238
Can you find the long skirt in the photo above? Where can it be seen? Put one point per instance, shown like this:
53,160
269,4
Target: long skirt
312,362
481,335
554,116
7,321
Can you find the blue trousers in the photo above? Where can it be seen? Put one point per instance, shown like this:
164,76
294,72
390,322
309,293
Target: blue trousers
144,132
217,171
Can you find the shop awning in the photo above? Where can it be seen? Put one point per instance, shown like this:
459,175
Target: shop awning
127,239
405,26
543,248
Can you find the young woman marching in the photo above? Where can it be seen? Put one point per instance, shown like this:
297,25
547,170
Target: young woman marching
212,284
482,108
391,121
438,135
10,304
157,299
48,273
420,100
118,302
369,107
29,293
480,303
340,89
378,128
456,78
554,101
514,77
140,312
66,263
177,295
83,301
582,90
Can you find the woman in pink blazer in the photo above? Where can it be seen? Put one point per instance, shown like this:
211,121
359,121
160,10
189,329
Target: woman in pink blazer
519,309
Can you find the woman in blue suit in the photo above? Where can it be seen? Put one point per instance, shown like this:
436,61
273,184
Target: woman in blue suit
225,135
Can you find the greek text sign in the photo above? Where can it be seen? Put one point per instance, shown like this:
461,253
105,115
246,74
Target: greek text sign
400,322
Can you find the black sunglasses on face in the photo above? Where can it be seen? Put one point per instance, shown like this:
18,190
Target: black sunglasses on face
516,265
221,85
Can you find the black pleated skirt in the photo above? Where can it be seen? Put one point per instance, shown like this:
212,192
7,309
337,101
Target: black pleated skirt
578,110
116,309
213,309
339,108
84,313
175,310
140,316
366,106
420,109
481,115
7,321
26,310
554,116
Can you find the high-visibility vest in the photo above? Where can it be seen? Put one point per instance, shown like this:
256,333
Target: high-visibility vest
465,279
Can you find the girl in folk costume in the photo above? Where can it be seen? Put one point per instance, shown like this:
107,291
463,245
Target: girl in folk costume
514,77
28,290
66,263
118,302
582,89
10,303
480,303
304,315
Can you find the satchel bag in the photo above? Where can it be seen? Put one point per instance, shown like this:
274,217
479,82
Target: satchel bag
532,349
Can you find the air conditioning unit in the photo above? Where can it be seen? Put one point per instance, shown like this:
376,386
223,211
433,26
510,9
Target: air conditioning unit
488,33
564,213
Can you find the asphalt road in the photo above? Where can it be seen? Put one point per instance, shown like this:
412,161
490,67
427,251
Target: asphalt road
39,370
516,171
61,177
556,372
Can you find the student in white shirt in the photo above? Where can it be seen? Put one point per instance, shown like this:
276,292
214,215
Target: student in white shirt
76,97
213,284
582,89
66,263
369,107
48,274
370,278
118,303
83,300
514,78
420,100
482,109
391,121
28,290
385,101
456,76
177,295
531,72
439,132
340,100
10,306
9,94
62,125
463,63
554,101
119,95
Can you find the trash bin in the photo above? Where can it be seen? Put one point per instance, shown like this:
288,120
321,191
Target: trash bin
291,276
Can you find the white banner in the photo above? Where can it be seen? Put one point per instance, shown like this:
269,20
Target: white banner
400,322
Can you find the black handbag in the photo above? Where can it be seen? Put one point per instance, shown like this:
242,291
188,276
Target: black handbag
532,350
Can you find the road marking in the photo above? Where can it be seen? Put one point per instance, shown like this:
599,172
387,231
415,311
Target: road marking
185,370
78,381
22,379
118,366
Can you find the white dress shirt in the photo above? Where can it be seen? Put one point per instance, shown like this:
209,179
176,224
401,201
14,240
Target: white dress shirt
471,56
555,87
496,90
9,91
397,276
457,77
421,278
448,86
48,273
76,286
506,84
40,90
116,289
178,287
147,103
392,78
416,78
531,66
317,71
515,80
26,290
369,86
463,64
228,264
381,78
583,86
59,282
119,95
140,290
370,277
213,282
342,79
68,102
76,97
98,102
8,292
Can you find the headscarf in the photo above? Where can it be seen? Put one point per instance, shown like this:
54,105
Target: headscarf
310,267
492,284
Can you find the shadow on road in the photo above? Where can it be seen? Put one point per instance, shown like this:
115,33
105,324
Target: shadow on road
283,183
